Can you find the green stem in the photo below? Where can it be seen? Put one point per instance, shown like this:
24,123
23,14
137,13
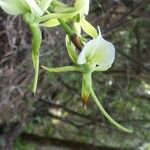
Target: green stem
106,114
67,29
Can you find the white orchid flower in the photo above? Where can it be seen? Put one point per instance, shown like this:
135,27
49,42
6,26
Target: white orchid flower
96,55
31,10
98,52
16,7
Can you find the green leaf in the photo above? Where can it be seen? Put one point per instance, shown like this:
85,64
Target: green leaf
62,69
88,28
71,50
36,43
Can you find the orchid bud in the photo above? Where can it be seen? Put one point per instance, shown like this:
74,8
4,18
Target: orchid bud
99,52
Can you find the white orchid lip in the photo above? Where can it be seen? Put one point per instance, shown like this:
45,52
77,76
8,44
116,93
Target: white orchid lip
99,52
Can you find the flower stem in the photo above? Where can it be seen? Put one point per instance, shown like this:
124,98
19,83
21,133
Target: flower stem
106,114
68,30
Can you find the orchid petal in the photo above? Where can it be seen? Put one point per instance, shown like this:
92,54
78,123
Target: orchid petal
44,4
85,53
104,54
99,52
88,28
71,50
51,23
14,7
83,5
62,69
35,9
102,68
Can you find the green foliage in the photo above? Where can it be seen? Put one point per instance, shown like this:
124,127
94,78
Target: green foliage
21,145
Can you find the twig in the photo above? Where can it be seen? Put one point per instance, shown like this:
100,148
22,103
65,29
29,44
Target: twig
49,141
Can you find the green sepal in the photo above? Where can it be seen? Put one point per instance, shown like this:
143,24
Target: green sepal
62,69
88,28
83,6
51,23
65,9
71,50
44,4
77,28
58,3
86,86
36,43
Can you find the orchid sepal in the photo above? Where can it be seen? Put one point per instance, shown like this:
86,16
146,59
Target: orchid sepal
71,50
62,69
36,43
88,28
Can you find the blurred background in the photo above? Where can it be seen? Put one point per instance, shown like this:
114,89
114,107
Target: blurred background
55,119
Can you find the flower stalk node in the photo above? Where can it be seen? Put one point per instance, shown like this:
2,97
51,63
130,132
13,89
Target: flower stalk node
76,41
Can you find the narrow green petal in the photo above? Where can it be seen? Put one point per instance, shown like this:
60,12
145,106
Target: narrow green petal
83,6
88,28
36,43
50,23
35,9
62,69
65,9
58,3
106,114
71,50
44,4
77,28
